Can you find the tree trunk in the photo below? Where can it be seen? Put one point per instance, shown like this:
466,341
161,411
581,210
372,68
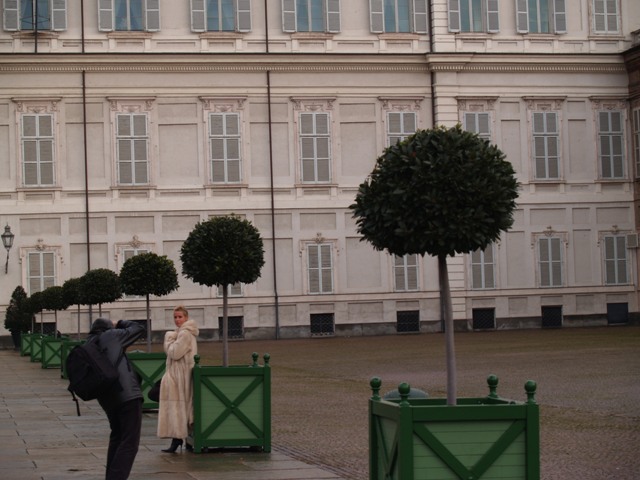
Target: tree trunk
225,327
447,310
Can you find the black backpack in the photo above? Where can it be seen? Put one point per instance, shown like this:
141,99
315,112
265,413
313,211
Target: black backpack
90,372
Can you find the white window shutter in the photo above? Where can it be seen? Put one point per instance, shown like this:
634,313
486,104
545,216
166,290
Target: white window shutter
333,16
483,125
420,16
394,122
152,14
454,15
10,15
198,16
493,16
409,123
59,15
288,15
559,16
243,15
105,15
522,16
376,16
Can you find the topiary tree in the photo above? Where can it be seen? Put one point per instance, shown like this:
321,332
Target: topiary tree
34,305
53,299
441,191
17,319
99,286
223,251
72,291
148,274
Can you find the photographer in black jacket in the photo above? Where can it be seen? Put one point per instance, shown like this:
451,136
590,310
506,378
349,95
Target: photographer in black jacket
123,404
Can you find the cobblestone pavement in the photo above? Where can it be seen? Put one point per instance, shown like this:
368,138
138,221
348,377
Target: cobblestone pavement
588,390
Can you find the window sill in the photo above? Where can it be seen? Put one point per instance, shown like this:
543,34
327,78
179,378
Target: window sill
130,35
219,35
31,34
312,35
399,35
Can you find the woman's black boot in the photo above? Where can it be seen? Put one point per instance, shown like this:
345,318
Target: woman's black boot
175,443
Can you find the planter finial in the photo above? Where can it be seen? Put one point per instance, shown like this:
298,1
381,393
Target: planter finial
266,357
404,389
375,383
254,356
530,388
492,381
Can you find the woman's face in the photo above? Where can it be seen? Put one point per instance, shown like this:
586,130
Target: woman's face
179,318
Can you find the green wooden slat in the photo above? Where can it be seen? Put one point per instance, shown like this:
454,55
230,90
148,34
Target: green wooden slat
441,451
498,448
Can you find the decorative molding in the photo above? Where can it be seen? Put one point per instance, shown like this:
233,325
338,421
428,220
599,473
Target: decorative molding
402,103
223,104
608,103
544,103
36,104
131,104
313,103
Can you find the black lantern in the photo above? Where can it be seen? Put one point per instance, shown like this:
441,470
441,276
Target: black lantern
7,241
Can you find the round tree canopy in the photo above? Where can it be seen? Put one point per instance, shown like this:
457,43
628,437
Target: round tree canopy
100,285
148,274
53,299
440,191
223,251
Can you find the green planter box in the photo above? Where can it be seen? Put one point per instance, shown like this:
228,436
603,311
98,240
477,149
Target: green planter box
478,439
25,344
51,355
67,346
36,347
150,367
232,406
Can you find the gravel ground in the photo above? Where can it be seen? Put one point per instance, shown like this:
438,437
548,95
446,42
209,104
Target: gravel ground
588,390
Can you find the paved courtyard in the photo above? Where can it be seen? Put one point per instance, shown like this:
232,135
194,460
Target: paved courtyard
588,388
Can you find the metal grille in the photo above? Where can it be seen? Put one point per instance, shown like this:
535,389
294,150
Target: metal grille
235,324
322,324
484,318
408,321
617,313
47,328
551,317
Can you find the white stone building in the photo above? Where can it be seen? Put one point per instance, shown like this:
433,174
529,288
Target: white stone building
148,116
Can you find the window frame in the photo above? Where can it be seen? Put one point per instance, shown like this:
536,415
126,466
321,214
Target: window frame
38,139
407,268
478,262
550,260
617,161
546,135
405,129
200,23
605,15
478,124
133,139
615,260
557,17
489,16
12,22
315,169
320,273
44,279
291,16
108,17
226,138
417,17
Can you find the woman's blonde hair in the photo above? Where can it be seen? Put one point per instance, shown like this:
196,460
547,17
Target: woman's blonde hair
180,308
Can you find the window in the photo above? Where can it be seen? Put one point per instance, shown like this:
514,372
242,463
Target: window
311,16
408,321
221,15
399,126
473,16
235,326
129,15
611,143
483,269
483,318
320,268
550,261
315,147
551,316
132,148
41,271
636,139
541,16
546,142
234,290
224,147
405,273
615,260
402,16
35,15
478,122
37,149
605,16
321,324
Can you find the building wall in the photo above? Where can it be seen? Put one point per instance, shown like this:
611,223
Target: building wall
84,77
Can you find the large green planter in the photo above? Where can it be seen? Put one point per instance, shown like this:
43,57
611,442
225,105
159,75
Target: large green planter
150,368
232,406
25,344
51,355
36,347
478,439
67,346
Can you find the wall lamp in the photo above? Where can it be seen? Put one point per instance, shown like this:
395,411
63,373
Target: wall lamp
7,241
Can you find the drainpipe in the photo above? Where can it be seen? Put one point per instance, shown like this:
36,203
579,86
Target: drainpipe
86,158
273,209
432,74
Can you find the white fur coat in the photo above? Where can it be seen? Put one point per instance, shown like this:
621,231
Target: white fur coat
175,415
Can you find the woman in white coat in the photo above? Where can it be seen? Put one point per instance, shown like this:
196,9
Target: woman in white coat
175,415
